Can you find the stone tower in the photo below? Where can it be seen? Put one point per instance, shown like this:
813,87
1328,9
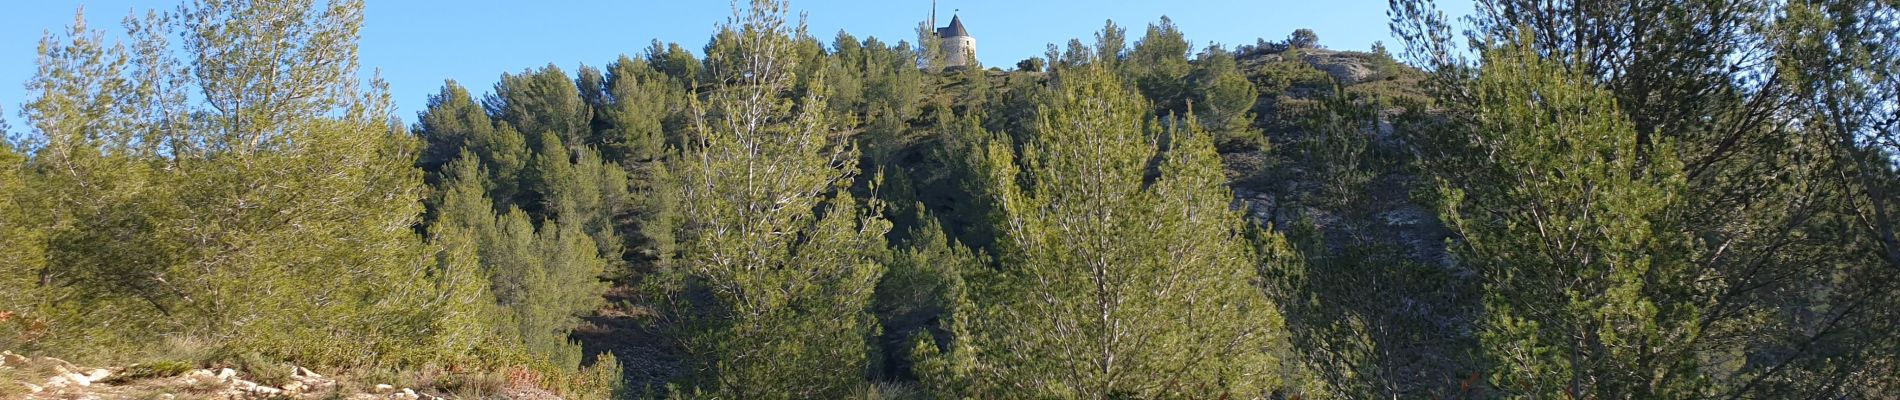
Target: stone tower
959,49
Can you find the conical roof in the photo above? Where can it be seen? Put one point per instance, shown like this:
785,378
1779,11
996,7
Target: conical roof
954,30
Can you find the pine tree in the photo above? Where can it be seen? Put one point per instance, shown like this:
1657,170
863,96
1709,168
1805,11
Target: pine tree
891,79
542,101
275,220
1111,46
845,72
98,249
1159,67
24,255
1841,58
675,62
930,56
454,123
542,279
465,227
306,187
1302,39
918,296
469,312
1223,98
582,190
636,131
1588,290
1115,280
788,258
1768,198
639,99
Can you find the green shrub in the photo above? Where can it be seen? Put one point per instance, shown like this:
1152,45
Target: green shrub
265,370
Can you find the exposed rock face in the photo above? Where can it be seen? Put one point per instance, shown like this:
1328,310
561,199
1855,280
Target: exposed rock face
1347,69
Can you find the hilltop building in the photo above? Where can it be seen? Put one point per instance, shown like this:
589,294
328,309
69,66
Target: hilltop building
955,43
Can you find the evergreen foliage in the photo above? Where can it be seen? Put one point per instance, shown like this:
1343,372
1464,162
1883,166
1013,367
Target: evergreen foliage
1159,67
787,258
1114,281
453,124
1303,39
1587,283
1567,198
542,102
922,289
542,279
24,256
1776,282
634,102
274,220
1221,96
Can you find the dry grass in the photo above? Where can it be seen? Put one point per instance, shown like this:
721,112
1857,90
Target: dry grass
157,369
472,385
12,382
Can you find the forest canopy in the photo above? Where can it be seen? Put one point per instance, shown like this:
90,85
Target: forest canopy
1548,199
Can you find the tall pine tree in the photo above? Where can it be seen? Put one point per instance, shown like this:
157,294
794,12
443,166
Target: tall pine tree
786,257
1124,269
1588,290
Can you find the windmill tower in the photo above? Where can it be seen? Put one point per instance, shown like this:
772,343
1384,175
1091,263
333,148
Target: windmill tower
956,44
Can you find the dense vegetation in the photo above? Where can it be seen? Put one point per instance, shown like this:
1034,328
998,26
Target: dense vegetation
1566,199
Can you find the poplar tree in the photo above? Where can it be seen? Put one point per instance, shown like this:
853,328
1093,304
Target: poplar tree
787,258
1123,270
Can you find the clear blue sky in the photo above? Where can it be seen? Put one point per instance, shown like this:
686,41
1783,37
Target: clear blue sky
418,44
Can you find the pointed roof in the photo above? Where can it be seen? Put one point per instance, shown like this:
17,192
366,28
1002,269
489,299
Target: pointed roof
954,30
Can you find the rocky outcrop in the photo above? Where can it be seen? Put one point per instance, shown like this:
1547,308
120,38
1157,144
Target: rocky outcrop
1346,68
51,378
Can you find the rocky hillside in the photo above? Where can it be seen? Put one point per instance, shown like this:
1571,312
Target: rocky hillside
1334,159
51,378
1337,177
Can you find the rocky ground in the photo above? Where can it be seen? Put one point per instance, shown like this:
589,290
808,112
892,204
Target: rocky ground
25,377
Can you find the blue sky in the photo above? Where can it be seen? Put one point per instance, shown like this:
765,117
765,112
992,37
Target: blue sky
418,44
